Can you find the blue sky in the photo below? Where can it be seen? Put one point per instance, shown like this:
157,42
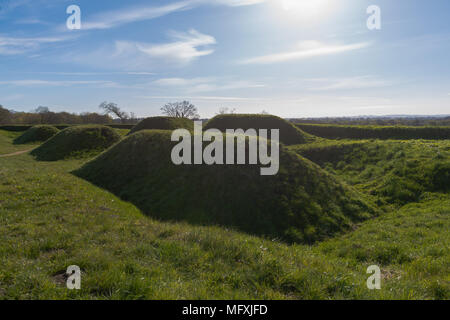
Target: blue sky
292,58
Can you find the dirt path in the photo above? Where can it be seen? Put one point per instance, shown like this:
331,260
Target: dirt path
14,153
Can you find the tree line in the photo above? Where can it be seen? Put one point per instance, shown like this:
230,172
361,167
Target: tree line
42,115
111,113
330,131
415,121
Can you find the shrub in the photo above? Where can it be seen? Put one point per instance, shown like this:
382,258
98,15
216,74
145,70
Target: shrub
440,176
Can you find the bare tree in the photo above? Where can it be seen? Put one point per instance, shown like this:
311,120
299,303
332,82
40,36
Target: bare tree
182,109
112,108
226,110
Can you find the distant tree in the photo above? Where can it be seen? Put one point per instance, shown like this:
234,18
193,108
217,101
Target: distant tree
226,110
182,109
5,115
264,112
42,109
112,108
96,118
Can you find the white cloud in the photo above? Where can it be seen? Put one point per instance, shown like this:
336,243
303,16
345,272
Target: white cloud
119,17
148,57
305,50
184,49
360,82
238,3
7,6
11,46
181,82
12,97
123,16
139,73
37,82
205,98
31,21
195,85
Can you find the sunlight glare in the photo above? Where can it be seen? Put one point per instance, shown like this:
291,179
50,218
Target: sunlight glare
305,8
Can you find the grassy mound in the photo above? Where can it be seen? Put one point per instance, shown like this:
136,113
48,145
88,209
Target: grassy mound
396,172
36,133
302,203
76,141
163,123
289,134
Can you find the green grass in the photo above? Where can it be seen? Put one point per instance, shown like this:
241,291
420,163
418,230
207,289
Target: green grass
330,131
412,244
302,203
122,132
50,219
163,123
38,133
394,172
7,146
289,133
77,141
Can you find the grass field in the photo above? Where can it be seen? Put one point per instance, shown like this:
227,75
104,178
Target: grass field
7,146
50,219
393,172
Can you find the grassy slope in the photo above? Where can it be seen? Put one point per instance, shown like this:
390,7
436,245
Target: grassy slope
302,203
122,132
163,123
49,219
6,145
77,141
395,172
38,133
289,133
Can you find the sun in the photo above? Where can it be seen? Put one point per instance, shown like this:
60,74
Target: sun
305,8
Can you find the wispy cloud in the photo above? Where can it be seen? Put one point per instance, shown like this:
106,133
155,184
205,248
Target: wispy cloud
29,21
186,47
119,17
139,73
238,3
349,83
7,6
116,18
38,82
12,97
306,50
11,45
183,48
195,85
205,98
